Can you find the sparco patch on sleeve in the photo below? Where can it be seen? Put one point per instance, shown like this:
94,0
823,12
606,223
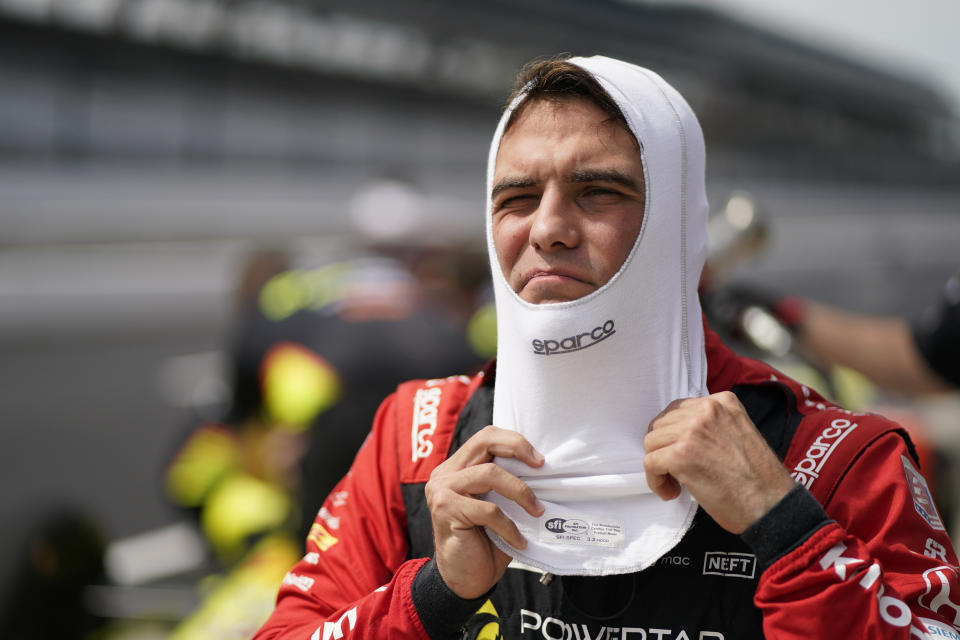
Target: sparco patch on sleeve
809,468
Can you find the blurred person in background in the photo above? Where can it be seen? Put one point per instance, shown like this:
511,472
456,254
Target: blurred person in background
863,362
682,491
912,361
315,351
915,360
57,553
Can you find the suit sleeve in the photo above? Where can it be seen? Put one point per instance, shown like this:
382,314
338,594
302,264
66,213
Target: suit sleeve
354,581
876,564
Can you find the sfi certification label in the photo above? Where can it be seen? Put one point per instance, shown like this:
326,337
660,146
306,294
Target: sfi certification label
581,531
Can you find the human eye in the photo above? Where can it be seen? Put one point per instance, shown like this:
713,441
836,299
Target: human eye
599,191
515,202
602,194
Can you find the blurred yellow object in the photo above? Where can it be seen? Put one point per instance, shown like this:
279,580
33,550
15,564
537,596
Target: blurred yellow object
283,295
804,374
242,601
297,385
846,387
482,331
209,454
240,507
291,291
853,389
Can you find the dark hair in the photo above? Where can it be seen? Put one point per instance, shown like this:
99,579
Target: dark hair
555,79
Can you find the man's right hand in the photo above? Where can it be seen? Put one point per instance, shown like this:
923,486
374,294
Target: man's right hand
469,563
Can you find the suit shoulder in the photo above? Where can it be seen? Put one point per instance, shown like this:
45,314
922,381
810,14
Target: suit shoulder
425,417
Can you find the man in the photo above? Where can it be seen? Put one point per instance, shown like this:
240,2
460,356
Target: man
642,481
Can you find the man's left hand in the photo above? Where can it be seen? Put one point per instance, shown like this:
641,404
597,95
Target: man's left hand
710,446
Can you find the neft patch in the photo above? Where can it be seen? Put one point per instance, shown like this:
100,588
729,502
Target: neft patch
731,565
581,531
922,498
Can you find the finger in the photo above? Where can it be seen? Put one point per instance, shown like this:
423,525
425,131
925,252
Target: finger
493,441
661,437
673,407
665,486
682,411
728,400
506,443
487,477
455,512
659,479
491,516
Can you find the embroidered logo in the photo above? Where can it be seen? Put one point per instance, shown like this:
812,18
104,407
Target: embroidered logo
425,405
808,469
576,342
922,498
732,564
304,583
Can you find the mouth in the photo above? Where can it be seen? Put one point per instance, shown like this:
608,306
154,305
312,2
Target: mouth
547,276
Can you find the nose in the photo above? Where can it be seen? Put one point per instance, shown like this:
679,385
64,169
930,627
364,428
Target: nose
554,225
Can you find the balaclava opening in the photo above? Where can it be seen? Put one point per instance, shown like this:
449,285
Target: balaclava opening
581,380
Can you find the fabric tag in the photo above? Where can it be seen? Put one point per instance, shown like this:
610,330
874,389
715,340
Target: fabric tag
581,531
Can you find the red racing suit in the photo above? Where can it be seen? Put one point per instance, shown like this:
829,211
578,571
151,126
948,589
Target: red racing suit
874,561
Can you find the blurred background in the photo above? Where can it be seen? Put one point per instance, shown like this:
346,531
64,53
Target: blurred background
154,154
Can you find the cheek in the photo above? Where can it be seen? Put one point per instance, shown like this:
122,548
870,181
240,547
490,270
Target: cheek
611,248
509,239
625,242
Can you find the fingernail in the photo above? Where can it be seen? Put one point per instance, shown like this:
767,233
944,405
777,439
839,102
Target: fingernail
538,456
539,506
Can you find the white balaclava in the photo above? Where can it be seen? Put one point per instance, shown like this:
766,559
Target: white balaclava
581,380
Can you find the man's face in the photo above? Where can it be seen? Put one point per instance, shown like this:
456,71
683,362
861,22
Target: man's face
568,200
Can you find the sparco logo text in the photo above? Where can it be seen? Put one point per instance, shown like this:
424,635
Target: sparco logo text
808,470
545,347
424,421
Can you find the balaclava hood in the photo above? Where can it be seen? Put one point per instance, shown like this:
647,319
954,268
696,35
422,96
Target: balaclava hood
581,380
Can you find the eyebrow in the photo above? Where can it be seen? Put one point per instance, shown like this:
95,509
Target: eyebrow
577,176
512,182
603,175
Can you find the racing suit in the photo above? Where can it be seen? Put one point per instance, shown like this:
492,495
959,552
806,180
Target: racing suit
874,561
